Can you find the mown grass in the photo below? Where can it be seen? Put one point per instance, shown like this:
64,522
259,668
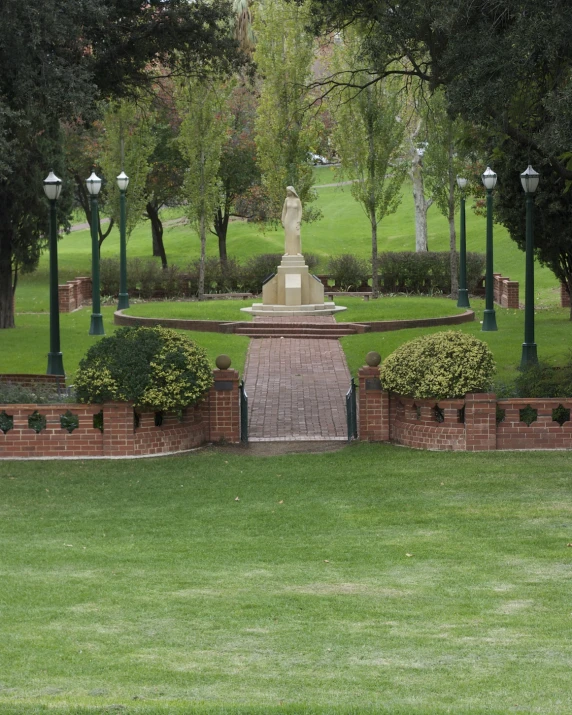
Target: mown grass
373,579
24,349
343,229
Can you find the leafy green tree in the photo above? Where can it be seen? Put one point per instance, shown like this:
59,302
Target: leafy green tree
368,139
206,119
128,143
238,170
286,131
443,160
58,58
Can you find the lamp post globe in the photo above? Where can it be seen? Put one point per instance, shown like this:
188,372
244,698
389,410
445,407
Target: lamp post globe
489,319
529,180
52,190
93,185
463,299
123,301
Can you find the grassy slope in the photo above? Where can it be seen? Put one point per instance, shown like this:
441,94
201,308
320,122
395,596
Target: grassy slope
372,578
343,229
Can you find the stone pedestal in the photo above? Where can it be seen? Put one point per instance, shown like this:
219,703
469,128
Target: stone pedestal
293,291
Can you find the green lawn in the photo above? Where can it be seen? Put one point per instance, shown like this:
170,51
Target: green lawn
25,349
343,229
374,579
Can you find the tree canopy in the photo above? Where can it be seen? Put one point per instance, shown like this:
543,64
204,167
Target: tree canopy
58,57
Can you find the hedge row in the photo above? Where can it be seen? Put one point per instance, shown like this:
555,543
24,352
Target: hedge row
405,272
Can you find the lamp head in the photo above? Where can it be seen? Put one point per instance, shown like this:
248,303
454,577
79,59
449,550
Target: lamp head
123,181
462,182
52,186
529,180
489,179
93,184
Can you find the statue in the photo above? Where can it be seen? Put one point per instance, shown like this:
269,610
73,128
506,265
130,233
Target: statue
291,219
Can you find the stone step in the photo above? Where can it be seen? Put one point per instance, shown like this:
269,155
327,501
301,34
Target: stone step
286,332
293,336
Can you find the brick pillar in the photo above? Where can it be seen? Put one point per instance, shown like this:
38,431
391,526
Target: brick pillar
373,406
64,293
481,421
224,407
512,294
118,429
564,296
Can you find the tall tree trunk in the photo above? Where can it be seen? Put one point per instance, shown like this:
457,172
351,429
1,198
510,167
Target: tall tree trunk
221,228
452,232
157,232
374,257
421,204
6,279
202,229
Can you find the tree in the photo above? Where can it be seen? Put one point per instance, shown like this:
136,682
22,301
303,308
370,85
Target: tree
421,203
368,139
58,57
206,118
285,130
238,170
128,144
443,161
505,66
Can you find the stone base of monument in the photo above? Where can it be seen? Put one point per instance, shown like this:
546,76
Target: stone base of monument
293,290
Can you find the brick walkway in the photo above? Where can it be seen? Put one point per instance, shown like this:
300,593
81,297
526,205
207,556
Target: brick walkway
296,389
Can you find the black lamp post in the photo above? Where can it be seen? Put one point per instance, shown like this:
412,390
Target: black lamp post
123,183
463,300
529,180
489,319
93,184
52,189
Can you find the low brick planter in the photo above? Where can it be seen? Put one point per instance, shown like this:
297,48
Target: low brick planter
476,423
115,429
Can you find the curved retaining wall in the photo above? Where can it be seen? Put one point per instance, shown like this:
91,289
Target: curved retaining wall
225,326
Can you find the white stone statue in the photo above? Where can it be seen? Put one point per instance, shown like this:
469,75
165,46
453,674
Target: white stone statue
291,220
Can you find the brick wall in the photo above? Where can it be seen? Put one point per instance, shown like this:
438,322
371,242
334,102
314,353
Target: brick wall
506,292
215,418
32,380
73,294
477,423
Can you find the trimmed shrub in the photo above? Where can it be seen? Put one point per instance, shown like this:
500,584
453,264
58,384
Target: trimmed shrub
39,394
155,368
349,272
441,365
544,380
425,272
217,279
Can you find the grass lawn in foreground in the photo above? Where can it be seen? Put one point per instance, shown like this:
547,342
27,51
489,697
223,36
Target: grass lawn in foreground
373,579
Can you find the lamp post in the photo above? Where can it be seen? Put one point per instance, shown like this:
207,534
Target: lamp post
529,180
52,189
123,183
463,300
93,184
489,319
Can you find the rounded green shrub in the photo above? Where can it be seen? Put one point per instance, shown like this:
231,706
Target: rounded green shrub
441,365
154,368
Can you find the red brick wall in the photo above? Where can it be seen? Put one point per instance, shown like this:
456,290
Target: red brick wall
32,380
216,417
506,291
543,433
413,423
73,294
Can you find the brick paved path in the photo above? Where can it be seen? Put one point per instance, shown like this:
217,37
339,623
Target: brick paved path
296,389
